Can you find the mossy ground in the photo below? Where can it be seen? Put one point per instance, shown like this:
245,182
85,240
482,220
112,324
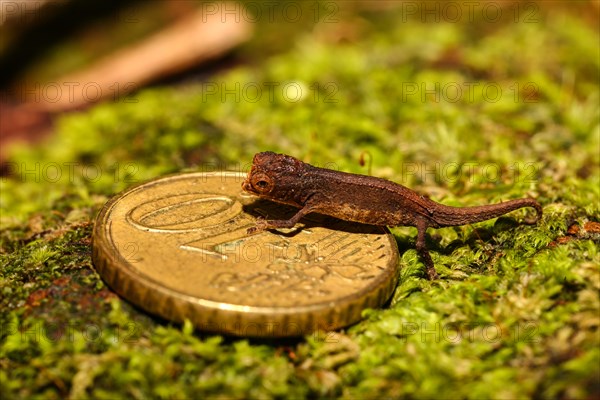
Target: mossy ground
516,313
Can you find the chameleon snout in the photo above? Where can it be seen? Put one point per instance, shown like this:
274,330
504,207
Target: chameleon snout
247,186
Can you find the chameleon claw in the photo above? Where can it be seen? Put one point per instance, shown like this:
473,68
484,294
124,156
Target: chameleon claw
261,225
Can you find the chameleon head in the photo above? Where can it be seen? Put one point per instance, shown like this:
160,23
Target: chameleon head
275,177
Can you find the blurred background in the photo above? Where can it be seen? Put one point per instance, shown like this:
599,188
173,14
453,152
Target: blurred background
58,56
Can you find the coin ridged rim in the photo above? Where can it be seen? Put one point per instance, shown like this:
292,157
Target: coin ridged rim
226,317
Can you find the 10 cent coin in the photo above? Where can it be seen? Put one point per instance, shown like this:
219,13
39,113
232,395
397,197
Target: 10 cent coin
177,247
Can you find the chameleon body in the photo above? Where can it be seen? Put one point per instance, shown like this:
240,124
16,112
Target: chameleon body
360,198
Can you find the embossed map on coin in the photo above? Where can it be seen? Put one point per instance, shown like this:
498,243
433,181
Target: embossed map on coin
178,247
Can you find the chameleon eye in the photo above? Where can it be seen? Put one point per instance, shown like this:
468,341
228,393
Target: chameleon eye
262,183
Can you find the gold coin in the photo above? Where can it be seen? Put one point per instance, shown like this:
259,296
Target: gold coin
178,247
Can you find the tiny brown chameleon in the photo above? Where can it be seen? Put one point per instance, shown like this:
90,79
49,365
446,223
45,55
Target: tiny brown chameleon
360,198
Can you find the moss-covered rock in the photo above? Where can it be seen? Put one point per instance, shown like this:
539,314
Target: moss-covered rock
471,112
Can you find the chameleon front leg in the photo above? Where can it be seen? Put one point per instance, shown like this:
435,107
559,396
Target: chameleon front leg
423,252
264,224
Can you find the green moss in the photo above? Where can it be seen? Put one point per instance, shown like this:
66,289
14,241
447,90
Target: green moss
516,311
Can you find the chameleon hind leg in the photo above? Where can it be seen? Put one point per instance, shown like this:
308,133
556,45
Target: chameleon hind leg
423,252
